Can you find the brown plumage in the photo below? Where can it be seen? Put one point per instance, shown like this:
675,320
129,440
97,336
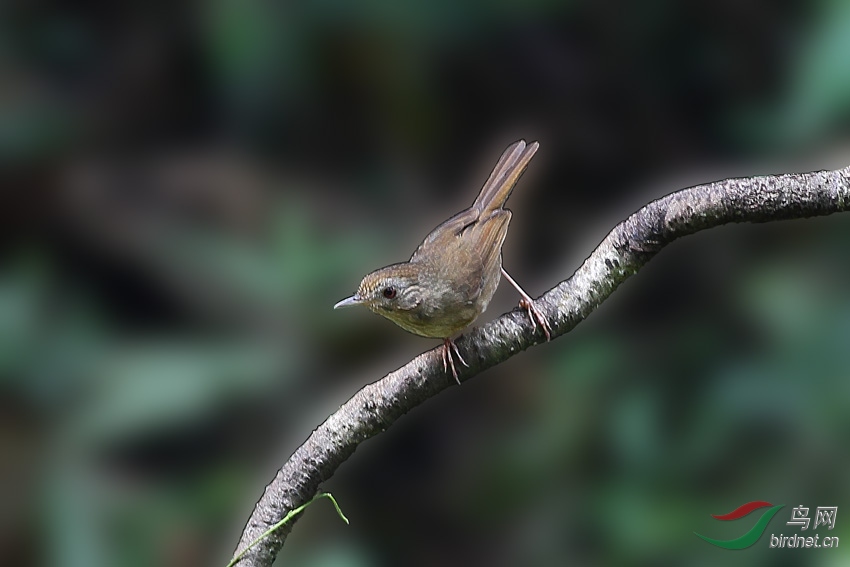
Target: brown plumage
453,274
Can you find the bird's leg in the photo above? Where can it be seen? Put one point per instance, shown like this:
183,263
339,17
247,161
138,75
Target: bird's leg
527,303
449,346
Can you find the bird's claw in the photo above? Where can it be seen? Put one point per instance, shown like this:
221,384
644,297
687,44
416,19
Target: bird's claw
448,362
535,316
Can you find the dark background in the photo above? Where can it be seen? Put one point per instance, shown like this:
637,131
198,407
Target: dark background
189,187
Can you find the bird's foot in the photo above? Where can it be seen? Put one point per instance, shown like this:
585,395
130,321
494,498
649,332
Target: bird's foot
536,317
448,362
528,304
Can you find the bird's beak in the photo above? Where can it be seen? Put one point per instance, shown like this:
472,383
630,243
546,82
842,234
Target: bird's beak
349,301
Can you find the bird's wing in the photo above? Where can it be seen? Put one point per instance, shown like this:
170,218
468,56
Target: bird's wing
442,235
467,251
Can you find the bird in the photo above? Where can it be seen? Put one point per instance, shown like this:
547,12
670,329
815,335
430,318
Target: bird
451,277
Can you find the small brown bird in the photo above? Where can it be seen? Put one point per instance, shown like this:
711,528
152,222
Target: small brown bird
450,279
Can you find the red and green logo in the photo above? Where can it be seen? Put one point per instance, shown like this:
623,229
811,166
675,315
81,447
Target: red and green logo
755,532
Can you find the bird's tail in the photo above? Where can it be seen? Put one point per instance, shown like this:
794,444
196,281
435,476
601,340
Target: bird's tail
501,182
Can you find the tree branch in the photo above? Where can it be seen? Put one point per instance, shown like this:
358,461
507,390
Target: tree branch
629,246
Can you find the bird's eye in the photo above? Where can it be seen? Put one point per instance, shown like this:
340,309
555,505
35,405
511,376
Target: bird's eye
389,292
